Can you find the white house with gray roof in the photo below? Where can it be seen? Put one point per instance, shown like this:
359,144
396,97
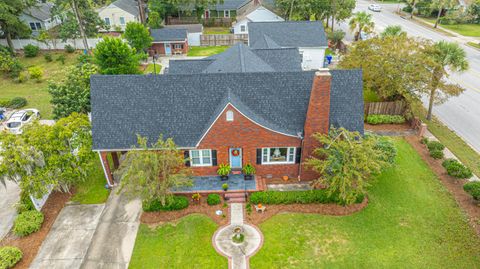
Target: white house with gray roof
308,36
256,14
119,13
39,17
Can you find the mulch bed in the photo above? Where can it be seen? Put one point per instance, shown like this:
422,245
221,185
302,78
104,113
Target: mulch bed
30,244
453,185
388,127
157,218
323,209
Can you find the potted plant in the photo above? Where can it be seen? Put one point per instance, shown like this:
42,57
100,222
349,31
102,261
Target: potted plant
196,197
225,186
248,171
223,171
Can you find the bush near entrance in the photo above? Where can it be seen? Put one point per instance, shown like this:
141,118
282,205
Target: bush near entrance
456,169
297,197
385,119
174,203
213,199
28,222
9,256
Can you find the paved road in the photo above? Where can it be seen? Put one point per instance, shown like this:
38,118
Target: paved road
462,113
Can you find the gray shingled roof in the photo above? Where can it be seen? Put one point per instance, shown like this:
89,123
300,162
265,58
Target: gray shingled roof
183,106
130,6
41,11
229,5
165,34
240,58
286,34
191,28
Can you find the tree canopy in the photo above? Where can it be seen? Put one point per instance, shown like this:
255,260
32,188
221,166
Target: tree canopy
361,22
150,174
114,56
10,22
45,157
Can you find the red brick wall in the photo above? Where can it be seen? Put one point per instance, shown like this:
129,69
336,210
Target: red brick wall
159,48
317,120
245,134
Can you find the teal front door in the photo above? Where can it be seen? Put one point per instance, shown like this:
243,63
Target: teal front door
235,158
168,49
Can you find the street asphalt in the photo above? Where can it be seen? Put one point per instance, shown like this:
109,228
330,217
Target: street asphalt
462,113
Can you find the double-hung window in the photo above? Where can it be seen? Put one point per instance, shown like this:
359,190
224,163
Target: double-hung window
122,20
107,21
202,157
278,155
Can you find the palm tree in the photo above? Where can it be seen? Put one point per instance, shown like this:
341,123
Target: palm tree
445,55
392,30
361,22
440,5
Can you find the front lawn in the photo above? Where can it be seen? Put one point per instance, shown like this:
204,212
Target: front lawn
463,29
206,51
92,191
410,222
36,93
183,244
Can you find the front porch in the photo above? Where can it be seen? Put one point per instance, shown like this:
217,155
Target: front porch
214,184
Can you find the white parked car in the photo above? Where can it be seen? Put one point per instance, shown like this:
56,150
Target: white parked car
375,7
20,118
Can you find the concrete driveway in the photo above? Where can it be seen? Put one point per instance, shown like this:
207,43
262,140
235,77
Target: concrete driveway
9,196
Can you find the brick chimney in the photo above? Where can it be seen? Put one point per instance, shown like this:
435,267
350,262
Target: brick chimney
317,119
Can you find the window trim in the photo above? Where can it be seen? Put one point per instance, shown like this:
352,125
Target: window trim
120,20
267,155
229,116
105,20
225,12
243,28
200,154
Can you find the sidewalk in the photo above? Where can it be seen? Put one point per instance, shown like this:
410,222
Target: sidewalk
9,196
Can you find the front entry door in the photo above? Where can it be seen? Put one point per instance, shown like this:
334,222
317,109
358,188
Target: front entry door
235,158
168,49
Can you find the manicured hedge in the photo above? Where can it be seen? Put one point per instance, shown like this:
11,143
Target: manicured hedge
473,188
28,222
213,199
436,154
435,145
456,169
15,103
176,203
385,119
9,256
435,148
31,50
296,197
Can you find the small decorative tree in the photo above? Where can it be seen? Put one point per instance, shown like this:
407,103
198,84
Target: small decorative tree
137,36
346,161
151,171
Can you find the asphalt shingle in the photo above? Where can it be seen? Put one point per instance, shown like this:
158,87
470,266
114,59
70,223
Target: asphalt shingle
166,34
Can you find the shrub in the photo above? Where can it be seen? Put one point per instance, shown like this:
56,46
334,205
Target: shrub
248,169
69,48
385,119
297,197
61,58
84,58
9,256
424,140
22,77
388,148
25,203
28,222
17,102
435,145
48,57
225,186
173,203
36,72
9,64
436,154
473,188
456,169
4,102
213,199
31,50
224,169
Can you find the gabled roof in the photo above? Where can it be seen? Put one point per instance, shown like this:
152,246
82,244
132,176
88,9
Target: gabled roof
191,28
286,34
41,11
130,6
184,106
166,34
229,5
259,14
240,58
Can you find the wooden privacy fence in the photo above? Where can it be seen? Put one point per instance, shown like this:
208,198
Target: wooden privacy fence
223,40
385,108
216,22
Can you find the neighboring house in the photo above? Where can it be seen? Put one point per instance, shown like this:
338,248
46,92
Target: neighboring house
263,118
241,58
39,17
257,14
227,9
169,41
308,36
119,13
194,31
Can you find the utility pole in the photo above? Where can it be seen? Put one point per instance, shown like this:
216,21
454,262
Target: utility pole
74,5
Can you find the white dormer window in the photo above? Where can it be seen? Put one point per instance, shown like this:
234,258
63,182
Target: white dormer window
229,115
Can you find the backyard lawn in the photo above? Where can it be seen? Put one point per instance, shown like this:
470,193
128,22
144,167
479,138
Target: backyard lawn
36,93
411,222
150,69
206,51
183,244
216,30
92,190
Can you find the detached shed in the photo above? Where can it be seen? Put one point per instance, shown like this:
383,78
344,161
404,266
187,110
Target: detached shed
169,41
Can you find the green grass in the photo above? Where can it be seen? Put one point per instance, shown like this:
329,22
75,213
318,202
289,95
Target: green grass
184,244
92,191
410,222
150,69
473,44
216,30
36,93
206,51
463,29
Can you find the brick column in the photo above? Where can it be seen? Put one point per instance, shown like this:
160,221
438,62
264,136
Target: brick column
317,119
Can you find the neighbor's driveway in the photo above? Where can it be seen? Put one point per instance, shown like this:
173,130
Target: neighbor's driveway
9,196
